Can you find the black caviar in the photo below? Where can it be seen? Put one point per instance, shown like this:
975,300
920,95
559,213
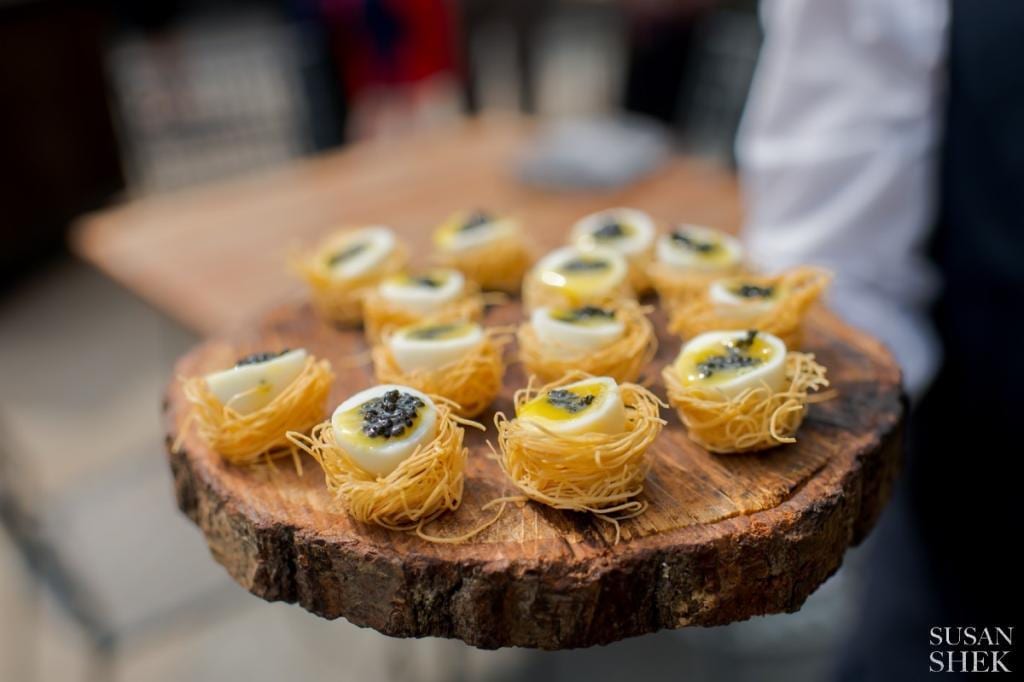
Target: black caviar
476,219
584,265
428,281
346,253
734,357
613,229
746,290
569,401
433,331
689,242
256,358
585,313
389,415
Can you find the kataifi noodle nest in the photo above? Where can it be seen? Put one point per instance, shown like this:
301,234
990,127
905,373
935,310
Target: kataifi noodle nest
381,316
471,383
622,360
755,419
592,472
495,266
250,438
340,300
800,288
425,485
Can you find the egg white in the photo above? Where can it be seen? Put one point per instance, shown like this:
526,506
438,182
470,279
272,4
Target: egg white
563,339
607,414
732,305
771,372
686,260
547,269
412,354
639,242
382,456
380,244
251,387
423,299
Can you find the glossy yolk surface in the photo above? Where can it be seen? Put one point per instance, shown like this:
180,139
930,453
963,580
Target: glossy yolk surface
543,407
438,332
690,372
574,317
580,276
349,425
707,249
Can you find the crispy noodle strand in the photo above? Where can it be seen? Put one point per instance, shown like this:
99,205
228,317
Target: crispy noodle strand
471,382
260,435
622,360
800,288
755,419
592,472
381,316
341,300
496,266
425,485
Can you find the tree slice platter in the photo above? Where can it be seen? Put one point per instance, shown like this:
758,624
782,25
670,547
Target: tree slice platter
725,537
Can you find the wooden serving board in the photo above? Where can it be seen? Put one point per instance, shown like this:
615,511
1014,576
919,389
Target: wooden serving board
724,538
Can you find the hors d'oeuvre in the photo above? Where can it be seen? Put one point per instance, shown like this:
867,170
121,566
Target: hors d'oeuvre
460,361
580,443
740,391
487,249
689,258
394,455
439,295
775,305
626,230
243,412
573,277
346,267
615,341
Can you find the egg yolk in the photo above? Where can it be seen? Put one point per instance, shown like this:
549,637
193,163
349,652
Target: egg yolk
446,234
563,404
345,253
585,316
376,421
708,250
579,276
753,291
718,363
613,230
430,280
438,332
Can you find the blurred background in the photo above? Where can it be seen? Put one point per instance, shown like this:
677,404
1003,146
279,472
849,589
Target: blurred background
105,102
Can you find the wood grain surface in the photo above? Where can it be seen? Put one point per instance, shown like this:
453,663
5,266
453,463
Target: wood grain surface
725,537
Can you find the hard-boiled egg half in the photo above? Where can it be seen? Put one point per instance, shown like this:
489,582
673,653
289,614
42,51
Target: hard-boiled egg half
702,250
382,426
358,253
737,297
431,345
732,362
626,230
469,230
256,379
423,293
589,406
567,332
582,274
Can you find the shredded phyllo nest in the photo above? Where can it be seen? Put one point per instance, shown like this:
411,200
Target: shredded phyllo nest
470,383
593,472
259,435
496,266
755,419
381,316
341,300
622,360
799,287
425,485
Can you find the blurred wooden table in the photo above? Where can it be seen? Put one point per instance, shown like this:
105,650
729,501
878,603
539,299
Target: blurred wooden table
215,257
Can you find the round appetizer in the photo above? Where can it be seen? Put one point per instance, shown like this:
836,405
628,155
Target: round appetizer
689,257
740,391
346,267
440,295
245,411
393,454
614,341
459,361
489,250
626,230
581,443
776,305
571,276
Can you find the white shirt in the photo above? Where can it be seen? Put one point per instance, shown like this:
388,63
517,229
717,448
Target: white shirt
838,157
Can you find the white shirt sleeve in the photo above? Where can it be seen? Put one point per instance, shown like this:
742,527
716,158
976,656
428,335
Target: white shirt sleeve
838,158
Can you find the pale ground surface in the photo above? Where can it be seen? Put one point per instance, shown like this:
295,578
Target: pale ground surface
82,367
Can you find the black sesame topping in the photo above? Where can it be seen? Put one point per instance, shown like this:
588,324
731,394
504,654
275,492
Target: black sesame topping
476,219
346,253
432,332
584,314
389,415
612,229
746,290
569,401
583,264
683,239
256,358
733,358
